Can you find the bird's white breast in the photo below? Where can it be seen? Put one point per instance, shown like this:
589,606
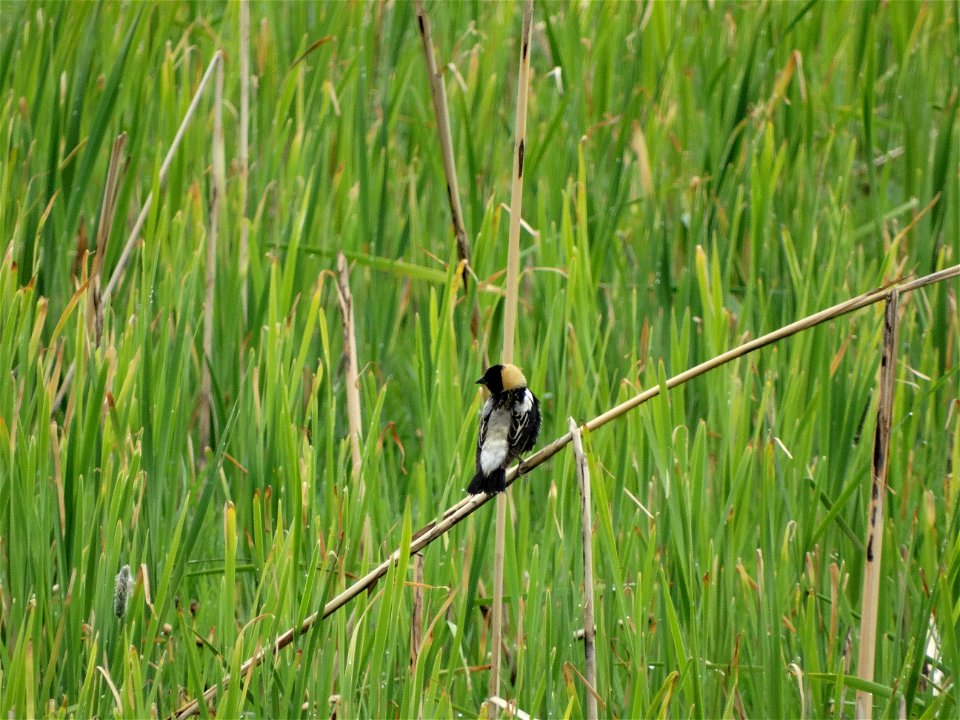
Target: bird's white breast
495,447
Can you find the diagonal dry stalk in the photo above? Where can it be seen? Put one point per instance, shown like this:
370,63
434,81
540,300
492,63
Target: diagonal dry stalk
878,495
570,671
470,504
509,328
345,299
131,243
586,523
439,93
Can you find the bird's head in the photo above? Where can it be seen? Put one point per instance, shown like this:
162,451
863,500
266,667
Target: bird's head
500,378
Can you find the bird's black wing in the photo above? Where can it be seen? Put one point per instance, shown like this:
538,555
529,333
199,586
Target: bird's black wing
525,425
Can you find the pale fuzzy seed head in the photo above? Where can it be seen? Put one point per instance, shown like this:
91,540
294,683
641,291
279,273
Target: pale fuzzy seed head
512,377
123,588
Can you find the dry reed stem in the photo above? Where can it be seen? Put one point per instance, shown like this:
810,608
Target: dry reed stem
516,191
345,299
509,329
244,149
438,92
218,191
131,243
586,524
878,495
471,503
108,207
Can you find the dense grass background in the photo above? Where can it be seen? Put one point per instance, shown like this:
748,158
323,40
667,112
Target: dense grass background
697,173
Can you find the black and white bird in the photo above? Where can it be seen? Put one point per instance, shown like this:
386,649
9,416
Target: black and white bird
509,425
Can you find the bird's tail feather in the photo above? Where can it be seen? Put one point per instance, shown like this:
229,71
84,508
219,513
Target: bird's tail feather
493,483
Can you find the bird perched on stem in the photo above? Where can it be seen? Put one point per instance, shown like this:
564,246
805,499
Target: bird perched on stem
509,425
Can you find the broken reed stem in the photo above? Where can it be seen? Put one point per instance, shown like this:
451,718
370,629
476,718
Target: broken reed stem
509,329
345,299
878,495
438,92
508,707
244,149
570,671
218,189
471,503
103,670
586,524
131,243
108,207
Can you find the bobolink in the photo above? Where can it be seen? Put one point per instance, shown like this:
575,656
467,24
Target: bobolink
509,425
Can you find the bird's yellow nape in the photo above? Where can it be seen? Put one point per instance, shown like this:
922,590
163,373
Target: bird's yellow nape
512,377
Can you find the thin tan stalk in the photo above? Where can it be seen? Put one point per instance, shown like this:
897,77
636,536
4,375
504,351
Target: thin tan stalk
586,524
471,503
516,193
439,93
244,147
131,243
509,330
345,298
108,207
416,627
218,191
878,496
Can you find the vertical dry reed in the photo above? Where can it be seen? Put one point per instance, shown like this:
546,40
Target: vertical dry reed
108,206
345,298
509,326
244,147
586,524
438,92
878,495
416,626
218,189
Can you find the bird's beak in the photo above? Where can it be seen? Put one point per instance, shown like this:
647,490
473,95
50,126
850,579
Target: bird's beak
480,382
